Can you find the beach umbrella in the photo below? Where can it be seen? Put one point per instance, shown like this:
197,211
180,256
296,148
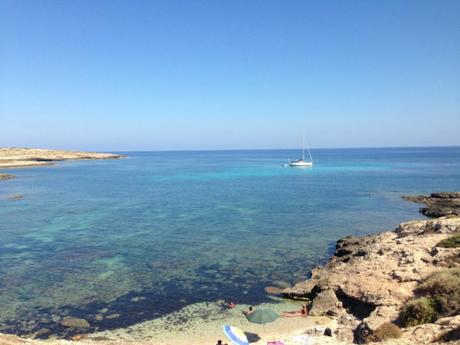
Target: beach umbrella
236,335
262,316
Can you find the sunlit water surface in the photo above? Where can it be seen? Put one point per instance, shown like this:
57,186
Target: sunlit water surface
141,237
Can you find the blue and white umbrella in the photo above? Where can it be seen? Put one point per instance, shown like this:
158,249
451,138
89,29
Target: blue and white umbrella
236,335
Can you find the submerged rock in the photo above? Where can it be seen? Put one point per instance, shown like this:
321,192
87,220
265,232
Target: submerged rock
6,176
41,332
16,197
273,290
74,322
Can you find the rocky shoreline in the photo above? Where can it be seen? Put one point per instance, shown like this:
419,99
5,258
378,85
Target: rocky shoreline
368,288
14,157
369,280
438,204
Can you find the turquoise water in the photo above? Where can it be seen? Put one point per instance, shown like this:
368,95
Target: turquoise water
144,236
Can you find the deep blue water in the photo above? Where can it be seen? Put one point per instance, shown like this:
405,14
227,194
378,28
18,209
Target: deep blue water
149,234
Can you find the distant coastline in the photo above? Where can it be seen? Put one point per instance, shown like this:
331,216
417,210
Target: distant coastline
15,157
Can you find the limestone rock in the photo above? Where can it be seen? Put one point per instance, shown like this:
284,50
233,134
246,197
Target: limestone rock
442,225
381,315
301,290
325,303
374,276
438,204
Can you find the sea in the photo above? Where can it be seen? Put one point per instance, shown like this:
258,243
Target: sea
120,242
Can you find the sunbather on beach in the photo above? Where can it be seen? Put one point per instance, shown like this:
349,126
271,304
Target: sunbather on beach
302,312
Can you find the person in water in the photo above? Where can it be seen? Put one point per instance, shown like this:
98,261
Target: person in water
231,305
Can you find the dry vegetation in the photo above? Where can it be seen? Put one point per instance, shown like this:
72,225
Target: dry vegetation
439,296
384,332
451,242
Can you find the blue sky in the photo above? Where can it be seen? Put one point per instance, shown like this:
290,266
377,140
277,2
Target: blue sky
155,75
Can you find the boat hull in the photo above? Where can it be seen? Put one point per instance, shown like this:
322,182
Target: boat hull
301,164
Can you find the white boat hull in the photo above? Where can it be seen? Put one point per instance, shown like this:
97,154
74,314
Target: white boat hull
301,164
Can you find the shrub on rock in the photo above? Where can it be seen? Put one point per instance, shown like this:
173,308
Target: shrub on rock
444,288
451,242
385,331
419,311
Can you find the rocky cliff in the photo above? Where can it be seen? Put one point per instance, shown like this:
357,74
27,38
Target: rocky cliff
369,279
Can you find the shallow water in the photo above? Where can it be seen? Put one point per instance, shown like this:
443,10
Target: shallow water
147,235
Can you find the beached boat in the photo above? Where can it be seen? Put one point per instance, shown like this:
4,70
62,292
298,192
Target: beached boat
302,163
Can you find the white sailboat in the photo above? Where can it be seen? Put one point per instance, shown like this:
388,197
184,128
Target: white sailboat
302,163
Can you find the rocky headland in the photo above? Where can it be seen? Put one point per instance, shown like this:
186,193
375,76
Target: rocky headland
394,287
406,280
438,204
15,157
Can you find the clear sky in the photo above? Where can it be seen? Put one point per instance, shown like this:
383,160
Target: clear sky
155,75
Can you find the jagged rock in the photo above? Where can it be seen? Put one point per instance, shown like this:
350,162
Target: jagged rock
380,316
325,303
302,290
41,332
374,276
345,328
361,333
350,245
438,204
420,227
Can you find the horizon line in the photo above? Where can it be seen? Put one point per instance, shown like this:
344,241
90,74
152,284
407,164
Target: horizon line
289,149
240,149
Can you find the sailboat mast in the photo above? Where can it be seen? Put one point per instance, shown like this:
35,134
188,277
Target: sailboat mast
303,149
309,153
